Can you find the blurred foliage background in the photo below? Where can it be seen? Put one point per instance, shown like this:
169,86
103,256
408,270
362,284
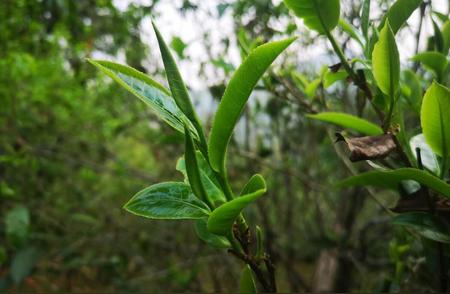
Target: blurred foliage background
74,147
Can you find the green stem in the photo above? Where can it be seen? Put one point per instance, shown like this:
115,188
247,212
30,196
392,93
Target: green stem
341,56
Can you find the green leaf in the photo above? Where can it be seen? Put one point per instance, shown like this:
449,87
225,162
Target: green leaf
236,95
446,36
318,15
17,222
247,284
415,89
170,200
222,218
311,88
399,13
149,91
208,176
177,86
179,46
23,264
332,77
435,118
348,121
365,18
429,159
438,38
192,169
434,61
386,62
425,225
349,29
392,178
211,239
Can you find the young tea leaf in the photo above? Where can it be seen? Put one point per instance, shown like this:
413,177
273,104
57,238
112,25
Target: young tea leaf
222,218
435,118
318,15
212,240
391,180
177,86
386,62
236,95
247,284
170,200
192,169
149,91
348,121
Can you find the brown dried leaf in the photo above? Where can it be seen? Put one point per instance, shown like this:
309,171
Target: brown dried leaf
370,147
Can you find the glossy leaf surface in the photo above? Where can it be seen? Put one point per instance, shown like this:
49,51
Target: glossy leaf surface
211,239
169,200
386,62
147,90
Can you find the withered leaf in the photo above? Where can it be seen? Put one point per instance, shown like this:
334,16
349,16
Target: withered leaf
370,147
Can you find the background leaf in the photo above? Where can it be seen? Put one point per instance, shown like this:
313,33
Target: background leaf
391,180
318,15
236,95
425,225
434,61
348,121
399,13
435,118
170,200
223,217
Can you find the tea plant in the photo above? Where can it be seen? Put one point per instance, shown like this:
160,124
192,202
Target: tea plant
205,195
414,164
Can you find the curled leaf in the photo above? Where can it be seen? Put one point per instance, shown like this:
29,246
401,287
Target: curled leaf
370,147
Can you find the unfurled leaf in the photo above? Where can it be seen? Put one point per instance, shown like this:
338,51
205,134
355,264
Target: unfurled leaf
208,176
179,46
318,15
170,200
399,13
311,88
177,86
222,218
424,224
412,83
435,119
386,62
236,95
392,178
192,169
210,238
149,91
349,122
434,61
247,284
369,148
429,159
